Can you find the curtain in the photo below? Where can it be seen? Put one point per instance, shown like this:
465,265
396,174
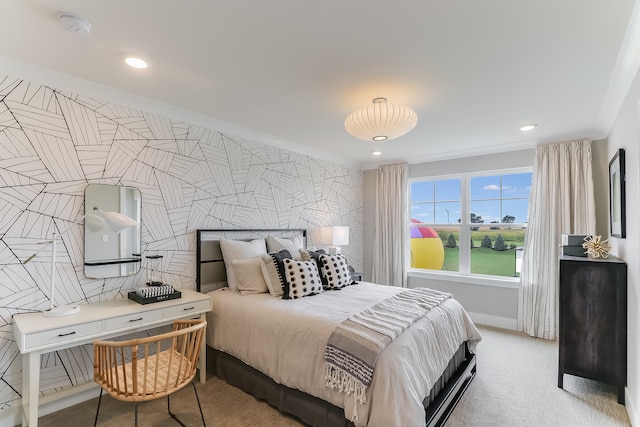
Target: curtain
391,225
561,202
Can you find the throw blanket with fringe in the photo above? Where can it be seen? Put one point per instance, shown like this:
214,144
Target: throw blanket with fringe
355,344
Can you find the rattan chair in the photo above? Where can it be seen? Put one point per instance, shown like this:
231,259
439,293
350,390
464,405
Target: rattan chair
149,368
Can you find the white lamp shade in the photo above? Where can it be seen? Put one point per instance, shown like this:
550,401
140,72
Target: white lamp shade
118,222
381,121
94,223
334,236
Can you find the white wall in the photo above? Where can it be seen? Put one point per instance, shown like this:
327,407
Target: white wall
624,134
54,143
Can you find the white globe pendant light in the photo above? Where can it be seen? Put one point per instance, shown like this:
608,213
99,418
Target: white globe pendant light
381,121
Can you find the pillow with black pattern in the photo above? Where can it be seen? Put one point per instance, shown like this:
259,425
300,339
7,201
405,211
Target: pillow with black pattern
307,255
335,271
302,278
273,272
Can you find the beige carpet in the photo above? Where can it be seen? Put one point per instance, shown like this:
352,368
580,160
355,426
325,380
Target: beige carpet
515,386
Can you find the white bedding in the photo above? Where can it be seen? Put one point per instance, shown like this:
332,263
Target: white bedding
285,339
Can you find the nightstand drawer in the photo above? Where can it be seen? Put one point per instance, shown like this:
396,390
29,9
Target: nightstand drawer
57,336
181,310
132,320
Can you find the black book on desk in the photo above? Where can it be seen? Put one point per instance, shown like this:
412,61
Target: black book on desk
151,294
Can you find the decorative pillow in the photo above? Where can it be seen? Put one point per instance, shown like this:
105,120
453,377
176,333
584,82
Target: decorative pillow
276,244
249,278
238,249
306,255
273,271
335,271
302,278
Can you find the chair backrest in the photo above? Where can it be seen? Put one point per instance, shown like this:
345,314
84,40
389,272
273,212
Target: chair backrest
152,367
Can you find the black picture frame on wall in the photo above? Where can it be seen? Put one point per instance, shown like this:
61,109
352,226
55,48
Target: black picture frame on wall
617,202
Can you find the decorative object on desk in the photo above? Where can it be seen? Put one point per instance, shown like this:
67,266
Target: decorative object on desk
335,237
572,244
596,247
152,294
115,220
154,273
617,197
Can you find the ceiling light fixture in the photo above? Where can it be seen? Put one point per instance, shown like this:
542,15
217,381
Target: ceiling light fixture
528,127
381,121
74,24
376,153
134,62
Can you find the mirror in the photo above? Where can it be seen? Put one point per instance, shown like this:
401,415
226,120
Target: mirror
108,253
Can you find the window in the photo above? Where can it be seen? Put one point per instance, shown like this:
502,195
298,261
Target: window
470,224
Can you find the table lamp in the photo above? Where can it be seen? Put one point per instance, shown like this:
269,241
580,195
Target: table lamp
95,222
335,237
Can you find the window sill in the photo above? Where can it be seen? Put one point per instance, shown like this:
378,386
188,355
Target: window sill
496,281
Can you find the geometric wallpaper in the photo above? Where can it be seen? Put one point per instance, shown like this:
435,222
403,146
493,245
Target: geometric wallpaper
54,143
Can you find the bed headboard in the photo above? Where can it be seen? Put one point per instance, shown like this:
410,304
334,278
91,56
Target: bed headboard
210,270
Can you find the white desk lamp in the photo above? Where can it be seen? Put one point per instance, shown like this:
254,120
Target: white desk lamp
116,222
335,237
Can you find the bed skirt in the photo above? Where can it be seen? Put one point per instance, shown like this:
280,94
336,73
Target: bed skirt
319,413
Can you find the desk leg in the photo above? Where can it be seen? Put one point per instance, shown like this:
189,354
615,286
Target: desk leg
30,388
203,355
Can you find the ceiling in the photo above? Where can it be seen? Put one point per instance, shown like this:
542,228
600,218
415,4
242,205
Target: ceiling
288,72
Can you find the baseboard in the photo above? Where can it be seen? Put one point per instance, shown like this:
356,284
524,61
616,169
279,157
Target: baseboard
495,321
629,403
12,416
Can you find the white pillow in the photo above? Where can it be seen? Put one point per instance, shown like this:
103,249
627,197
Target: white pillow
293,245
238,249
249,278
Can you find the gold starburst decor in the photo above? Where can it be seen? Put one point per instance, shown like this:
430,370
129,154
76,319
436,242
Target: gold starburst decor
596,248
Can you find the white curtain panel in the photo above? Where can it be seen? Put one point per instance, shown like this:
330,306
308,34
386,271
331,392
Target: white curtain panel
391,225
561,202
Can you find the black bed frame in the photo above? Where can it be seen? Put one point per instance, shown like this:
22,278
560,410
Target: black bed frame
309,409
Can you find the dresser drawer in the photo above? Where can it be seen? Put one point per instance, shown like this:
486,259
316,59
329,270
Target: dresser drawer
58,336
132,320
182,310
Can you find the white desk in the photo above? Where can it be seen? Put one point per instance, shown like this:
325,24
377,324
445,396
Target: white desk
36,334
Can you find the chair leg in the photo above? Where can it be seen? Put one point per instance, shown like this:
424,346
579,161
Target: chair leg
95,422
199,407
136,414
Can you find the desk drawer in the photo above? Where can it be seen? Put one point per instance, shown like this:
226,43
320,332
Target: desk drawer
57,336
133,320
183,310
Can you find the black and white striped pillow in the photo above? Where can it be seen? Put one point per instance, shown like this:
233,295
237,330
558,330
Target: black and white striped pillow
302,278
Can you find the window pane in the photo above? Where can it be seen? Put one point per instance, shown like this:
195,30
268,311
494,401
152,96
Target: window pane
422,212
447,190
516,185
447,212
497,251
485,187
515,208
435,248
421,191
486,211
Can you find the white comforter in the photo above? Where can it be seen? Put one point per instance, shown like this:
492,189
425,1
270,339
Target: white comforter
285,339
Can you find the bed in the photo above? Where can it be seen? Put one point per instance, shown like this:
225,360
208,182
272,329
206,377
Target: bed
264,346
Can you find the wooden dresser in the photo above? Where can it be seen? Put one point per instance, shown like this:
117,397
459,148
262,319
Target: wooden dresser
593,320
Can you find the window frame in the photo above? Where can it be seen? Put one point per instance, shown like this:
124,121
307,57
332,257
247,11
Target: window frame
464,232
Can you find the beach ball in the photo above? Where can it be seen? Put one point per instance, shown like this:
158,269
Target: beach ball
427,250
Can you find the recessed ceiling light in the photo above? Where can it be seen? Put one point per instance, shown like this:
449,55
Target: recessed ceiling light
528,127
376,153
134,62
